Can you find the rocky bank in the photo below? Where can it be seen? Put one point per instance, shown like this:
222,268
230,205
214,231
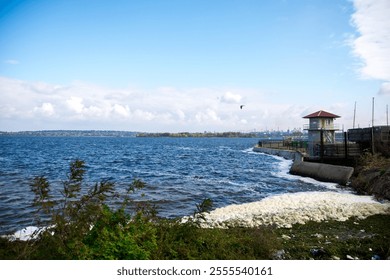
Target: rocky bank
372,176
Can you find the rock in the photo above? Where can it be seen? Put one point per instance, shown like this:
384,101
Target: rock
373,181
349,257
318,235
286,237
335,258
279,255
317,252
375,257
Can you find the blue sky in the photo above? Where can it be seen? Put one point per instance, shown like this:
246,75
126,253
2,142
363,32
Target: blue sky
183,65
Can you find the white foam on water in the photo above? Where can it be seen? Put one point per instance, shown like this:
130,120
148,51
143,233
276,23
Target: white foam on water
25,234
283,171
250,151
288,209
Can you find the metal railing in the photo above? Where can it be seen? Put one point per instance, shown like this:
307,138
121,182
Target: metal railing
297,145
334,126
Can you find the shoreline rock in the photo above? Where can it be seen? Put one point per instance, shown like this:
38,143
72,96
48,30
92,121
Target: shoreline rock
372,182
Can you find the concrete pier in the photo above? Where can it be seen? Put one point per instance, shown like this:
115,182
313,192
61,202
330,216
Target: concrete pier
319,171
294,155
322,172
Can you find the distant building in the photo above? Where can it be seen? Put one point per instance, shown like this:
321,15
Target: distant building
321,130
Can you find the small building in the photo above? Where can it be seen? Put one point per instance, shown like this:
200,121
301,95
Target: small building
321,130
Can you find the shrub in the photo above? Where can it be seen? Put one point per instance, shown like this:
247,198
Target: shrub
81,225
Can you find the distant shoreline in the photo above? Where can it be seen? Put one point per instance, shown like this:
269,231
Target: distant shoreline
71,133
114,133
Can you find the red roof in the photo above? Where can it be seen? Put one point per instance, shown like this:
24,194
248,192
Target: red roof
321,114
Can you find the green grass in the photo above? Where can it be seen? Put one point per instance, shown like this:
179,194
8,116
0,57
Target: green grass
187,241
171,240
359,239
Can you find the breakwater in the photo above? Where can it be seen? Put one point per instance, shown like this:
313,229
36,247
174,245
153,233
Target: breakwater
319,171
287,154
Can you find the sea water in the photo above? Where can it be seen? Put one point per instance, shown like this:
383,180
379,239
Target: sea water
179,173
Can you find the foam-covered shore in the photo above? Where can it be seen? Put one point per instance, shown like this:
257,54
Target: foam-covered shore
280,210
288,209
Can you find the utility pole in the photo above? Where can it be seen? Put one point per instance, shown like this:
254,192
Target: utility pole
372,128
354,116
387,114
373,102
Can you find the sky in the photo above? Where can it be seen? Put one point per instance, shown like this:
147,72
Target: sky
189,65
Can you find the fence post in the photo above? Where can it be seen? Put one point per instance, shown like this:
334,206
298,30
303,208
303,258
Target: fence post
346,145
322,145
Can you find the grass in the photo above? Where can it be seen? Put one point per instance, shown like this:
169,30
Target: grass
352,239
187,241
358,239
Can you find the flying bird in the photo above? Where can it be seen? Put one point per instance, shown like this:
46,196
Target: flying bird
241,106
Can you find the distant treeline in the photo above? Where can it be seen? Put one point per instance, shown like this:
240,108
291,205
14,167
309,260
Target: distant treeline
113,133
199,134
71,133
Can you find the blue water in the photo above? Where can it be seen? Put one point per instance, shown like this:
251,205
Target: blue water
179,172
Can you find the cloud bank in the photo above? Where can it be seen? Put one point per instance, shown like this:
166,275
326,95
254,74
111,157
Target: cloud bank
372,21
37,105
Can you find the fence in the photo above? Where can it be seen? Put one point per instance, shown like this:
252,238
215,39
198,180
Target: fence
334,150
316,150
285,144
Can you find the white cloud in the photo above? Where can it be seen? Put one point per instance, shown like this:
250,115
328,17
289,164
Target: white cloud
141,115
206,116
372,45
88,106
385,89
121,110
75,104
180,115
46,109
231,98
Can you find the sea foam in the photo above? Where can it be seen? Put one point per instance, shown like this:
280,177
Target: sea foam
24,234
283,171
288,209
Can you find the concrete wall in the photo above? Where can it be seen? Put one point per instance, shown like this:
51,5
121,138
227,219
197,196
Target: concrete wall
322,172
293,155
319,171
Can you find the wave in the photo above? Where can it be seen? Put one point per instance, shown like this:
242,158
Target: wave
288,209
283,171
24,234
250,151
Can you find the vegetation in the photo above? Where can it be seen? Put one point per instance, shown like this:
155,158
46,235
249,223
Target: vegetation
81,225
372,176
230,134
353,239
